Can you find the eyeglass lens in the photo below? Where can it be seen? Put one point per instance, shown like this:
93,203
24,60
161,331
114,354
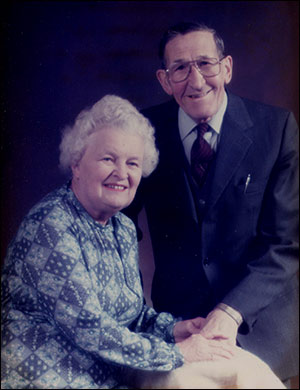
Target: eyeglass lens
207,68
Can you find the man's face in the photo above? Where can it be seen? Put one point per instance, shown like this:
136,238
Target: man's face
198,96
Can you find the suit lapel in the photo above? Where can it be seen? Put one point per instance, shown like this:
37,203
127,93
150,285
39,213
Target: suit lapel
233,146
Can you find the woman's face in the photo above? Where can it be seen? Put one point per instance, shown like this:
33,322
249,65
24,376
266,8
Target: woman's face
106,178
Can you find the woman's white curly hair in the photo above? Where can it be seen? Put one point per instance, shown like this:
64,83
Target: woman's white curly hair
110,111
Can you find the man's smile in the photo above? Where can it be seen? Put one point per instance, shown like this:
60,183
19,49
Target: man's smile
198,95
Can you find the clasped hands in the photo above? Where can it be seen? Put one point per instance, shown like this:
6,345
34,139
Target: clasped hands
210,338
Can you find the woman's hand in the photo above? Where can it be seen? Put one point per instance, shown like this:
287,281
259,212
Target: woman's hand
197,348
184,329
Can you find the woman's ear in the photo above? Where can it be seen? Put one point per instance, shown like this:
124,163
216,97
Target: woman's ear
163,79
75,171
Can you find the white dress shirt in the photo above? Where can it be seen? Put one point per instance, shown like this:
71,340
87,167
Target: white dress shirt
186,125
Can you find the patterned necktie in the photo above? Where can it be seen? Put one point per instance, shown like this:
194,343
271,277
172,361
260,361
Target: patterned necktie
201,154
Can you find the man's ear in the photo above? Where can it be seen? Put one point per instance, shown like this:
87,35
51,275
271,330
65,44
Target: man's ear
228,64
164,81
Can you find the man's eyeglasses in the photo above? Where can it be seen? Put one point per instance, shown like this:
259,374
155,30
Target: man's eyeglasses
207,67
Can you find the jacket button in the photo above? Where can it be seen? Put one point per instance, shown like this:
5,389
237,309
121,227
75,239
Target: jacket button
206,261
202,202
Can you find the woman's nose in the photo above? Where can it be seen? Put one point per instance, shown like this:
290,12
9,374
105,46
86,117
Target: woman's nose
121,170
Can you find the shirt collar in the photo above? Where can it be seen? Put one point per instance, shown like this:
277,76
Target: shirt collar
82,211
186,123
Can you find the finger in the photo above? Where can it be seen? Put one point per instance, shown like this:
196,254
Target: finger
213,333
219,358
223,346
198,322
214,355
209,335
192,328
222,353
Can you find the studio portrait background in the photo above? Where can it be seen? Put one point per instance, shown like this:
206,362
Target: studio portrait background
59,57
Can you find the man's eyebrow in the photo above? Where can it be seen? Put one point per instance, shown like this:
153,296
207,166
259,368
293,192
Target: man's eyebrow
178,61
204,57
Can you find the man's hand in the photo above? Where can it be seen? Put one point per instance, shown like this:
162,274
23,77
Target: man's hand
218,325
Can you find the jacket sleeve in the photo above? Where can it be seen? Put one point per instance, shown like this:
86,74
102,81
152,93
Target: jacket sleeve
274,255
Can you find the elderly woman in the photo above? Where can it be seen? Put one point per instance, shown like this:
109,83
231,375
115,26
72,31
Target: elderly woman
73,309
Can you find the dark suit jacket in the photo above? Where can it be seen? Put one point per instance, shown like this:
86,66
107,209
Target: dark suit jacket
225,244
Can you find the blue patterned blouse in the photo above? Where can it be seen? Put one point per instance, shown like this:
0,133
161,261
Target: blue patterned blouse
73,314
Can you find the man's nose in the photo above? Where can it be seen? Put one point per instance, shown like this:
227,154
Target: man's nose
195,77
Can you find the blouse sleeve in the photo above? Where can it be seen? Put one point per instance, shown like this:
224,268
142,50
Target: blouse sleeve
96,331
159,324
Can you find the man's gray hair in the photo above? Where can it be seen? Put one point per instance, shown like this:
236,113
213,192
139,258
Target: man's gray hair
184,28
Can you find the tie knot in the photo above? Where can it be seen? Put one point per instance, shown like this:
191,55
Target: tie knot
202,128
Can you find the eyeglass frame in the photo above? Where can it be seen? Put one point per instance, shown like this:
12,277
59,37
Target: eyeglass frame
190,63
